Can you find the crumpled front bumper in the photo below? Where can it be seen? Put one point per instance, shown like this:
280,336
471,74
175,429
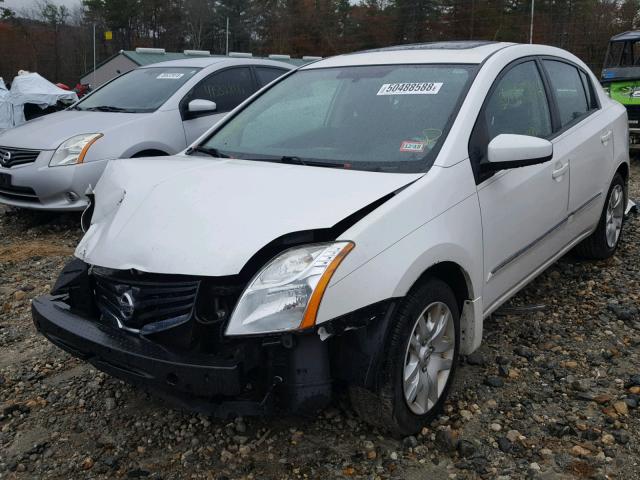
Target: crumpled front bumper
199,382
132,357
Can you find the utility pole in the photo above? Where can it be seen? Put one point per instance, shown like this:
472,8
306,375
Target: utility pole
533,6
94,56
227,35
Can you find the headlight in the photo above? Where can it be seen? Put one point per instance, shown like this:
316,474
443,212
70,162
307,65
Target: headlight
73,150
286,293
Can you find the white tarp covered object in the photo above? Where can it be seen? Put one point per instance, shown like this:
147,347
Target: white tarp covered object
33,88
5,107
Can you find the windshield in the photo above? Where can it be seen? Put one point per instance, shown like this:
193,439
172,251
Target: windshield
141,90
390,118
623,54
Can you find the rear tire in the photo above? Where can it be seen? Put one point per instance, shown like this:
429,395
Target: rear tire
603,242
418,362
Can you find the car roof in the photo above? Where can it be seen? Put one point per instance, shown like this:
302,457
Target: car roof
219,61
630,35
469,52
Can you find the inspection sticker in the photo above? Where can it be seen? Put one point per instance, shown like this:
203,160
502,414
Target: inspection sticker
424,88
412,146
170,76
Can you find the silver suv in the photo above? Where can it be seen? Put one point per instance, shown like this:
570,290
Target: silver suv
50,162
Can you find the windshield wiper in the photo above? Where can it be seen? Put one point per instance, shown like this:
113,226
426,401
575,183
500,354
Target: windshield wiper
212,152
107,108
292,160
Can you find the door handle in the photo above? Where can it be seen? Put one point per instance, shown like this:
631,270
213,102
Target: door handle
606,137
560,171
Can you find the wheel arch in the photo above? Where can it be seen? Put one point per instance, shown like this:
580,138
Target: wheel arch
453,275
624,170
149,152
469,303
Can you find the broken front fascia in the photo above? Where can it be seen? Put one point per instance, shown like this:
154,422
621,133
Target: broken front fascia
195,366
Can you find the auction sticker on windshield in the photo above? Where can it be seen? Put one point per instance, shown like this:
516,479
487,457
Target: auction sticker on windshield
170,76
412,146
424,88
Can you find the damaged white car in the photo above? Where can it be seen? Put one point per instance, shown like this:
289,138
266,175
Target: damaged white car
349,226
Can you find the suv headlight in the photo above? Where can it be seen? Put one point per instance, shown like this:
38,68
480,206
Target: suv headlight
285,295
73,150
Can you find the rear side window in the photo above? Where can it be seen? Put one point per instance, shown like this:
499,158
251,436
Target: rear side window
267,75
588,88
227,88
518,104
569,91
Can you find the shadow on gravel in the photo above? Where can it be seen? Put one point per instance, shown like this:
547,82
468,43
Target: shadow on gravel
23,219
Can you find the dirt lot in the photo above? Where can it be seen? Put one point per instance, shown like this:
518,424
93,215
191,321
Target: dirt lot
551,394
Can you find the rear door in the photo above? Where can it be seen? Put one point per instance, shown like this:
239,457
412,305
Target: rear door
523,209
228,88
584,139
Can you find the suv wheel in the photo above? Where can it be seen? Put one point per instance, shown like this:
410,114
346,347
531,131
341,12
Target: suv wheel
419,362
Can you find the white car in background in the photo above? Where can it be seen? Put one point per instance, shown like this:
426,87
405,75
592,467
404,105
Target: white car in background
50,162
353,224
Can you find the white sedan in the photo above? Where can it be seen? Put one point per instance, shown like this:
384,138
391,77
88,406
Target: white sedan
350,225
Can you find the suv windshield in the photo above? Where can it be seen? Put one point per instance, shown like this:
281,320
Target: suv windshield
623,54
141,90
390,118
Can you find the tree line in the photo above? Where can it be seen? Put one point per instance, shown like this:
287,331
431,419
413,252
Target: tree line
61,38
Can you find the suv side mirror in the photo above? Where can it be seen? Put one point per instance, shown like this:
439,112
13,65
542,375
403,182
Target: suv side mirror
513,151
200,105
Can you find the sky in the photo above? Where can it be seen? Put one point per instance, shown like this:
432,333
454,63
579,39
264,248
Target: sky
20,4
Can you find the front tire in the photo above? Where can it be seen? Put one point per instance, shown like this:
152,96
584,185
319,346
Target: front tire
418,362
603,242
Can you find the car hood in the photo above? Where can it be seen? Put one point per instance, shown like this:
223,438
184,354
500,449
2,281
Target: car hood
49,131
202,216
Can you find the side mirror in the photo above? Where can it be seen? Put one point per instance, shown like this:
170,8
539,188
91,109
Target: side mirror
513,151
202,106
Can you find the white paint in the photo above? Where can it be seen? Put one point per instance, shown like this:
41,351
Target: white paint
507,147
209,217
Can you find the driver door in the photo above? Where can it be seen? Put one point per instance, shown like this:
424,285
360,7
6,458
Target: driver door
523,209
227,88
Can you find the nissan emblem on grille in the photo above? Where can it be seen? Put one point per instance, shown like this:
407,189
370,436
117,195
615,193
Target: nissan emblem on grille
5,157
126,304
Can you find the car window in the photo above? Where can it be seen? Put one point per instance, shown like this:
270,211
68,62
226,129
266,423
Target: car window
227,88
629,55
614,53
518,104
588,88
267,75
141,90
568,90
390,118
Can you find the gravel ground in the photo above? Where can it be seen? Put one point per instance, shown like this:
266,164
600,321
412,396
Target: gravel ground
550,394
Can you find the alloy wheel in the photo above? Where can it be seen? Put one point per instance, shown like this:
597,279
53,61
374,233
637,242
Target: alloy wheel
614,215
429,358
